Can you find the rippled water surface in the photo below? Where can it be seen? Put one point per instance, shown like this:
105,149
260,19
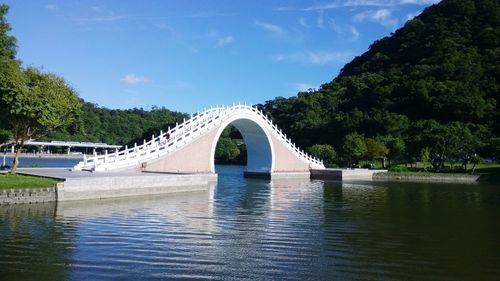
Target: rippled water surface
255,229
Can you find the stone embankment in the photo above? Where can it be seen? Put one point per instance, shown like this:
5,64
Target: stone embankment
390,176
27,195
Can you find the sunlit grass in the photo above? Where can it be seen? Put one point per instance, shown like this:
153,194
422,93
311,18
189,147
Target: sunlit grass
21,181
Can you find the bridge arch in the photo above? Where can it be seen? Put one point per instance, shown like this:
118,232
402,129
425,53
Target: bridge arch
260,149
190,146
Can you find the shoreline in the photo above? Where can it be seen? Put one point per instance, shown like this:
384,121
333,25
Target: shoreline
436,178
43,156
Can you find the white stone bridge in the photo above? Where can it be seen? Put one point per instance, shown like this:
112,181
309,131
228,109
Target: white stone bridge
190,147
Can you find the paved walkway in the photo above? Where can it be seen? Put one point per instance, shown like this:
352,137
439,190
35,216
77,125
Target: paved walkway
66,173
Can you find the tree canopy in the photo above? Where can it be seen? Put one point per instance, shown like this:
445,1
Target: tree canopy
7,42
432,83
35,103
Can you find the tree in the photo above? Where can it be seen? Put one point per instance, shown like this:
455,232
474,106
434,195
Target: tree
7,42
36,103
354,147
395,145
376,150
226,150
495,149
425,155
438,73
4,136
324,152
7,56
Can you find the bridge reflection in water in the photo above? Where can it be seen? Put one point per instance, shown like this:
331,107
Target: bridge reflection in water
247,229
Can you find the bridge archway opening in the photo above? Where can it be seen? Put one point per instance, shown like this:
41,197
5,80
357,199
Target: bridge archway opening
259,151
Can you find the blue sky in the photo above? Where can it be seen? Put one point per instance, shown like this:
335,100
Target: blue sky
186,55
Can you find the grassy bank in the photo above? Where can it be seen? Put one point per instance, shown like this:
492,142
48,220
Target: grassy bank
20,181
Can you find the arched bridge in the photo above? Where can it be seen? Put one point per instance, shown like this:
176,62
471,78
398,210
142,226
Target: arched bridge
190,146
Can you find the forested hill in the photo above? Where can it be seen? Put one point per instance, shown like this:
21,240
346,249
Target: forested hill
115,126
433,79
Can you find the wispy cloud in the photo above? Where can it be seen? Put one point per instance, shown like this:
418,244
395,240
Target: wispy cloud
303,22
167,28
321,19
381,16
273,28
100,19
131,79
410,16
360,3
207,14
99,14
317,58
51,6
335,27
221,42
304,87
354,32
344,31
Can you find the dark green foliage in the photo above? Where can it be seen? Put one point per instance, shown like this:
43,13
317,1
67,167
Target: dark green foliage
325,152
230,147
114,126
5,136
354,147
34,103
375,149
495,148
433,83
7,42
226,150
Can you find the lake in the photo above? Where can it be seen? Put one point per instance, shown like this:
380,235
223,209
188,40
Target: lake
248,229
37,162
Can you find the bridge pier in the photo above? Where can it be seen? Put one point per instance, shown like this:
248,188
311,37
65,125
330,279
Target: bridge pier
279,175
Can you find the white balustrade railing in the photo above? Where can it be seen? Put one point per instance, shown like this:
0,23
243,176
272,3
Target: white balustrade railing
182,134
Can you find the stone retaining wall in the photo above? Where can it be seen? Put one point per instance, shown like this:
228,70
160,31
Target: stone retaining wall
27,195
426,178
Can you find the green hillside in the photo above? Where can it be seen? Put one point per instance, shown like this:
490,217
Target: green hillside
432,85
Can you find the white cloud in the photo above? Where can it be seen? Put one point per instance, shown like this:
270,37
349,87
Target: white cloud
100,19
354,32
275,29
221,42
410,16
303,22
381,16
166,27
361,3
314,57
304,87
130,79
321,20
335,27
51,6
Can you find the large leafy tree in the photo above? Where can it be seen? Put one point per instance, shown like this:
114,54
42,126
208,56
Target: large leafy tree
324,152
354,147
7,57
36,103
7,42
376,150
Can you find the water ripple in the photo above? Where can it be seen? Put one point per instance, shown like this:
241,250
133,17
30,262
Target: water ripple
261,230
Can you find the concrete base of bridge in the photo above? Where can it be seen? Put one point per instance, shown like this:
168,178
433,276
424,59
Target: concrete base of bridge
277,175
